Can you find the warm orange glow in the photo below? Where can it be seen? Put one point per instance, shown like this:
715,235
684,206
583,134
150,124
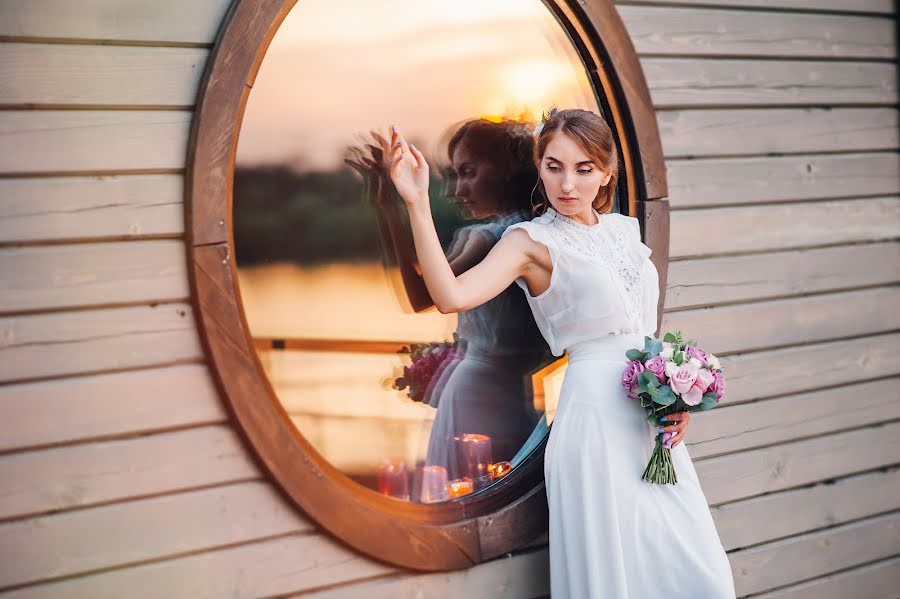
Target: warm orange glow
461,487
500,469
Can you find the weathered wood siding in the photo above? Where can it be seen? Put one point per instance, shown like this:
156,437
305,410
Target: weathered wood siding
120,473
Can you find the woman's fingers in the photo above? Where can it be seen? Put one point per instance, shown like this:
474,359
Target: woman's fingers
406,151
676,430
379,138
419,157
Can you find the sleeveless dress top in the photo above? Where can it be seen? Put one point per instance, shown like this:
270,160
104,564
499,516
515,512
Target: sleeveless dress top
612,534
620,297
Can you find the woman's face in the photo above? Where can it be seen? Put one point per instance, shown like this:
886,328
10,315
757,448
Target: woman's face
479,183
571,179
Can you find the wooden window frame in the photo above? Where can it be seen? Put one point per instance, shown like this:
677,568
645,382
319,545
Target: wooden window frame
443,536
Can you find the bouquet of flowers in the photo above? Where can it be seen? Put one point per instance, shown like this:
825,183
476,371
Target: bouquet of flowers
428,361
671,376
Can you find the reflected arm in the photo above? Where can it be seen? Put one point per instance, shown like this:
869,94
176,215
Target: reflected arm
506,261
394,238
469,249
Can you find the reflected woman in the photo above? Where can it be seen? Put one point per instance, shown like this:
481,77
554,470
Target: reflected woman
485,388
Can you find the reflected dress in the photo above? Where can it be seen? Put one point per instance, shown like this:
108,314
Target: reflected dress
612,534
487,389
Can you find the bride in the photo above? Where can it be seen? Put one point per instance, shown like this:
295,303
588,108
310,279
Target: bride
593,291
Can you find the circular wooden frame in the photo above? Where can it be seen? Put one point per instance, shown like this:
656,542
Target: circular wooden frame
443,536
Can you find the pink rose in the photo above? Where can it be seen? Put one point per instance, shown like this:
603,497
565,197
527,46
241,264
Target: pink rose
683,377
718,385
696,352
704,379
693,396
657,365
629,376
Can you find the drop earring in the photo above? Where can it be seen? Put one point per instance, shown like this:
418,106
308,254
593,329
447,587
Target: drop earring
534,208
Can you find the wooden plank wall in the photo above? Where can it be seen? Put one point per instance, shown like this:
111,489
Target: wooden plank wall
119,468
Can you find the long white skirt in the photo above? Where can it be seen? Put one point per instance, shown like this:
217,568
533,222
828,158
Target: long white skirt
612,534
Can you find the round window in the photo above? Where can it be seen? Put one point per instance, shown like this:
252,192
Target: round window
413,435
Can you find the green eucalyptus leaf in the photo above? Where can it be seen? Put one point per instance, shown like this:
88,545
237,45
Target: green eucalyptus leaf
635,354
652,346
708,401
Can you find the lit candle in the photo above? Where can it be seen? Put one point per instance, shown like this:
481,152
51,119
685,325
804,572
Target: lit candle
473,452
500,469
434,484
393,480
460,487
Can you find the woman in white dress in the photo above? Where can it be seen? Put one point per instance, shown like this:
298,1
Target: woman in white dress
593,291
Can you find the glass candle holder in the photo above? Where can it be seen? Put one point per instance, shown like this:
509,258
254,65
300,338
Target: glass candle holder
473,454
460,487
393,479
435,485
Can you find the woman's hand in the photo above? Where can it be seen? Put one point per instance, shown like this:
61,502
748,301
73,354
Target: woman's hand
369,160
409,170
676,425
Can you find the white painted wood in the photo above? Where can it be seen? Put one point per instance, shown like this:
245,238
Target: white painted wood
680,82
804,320
264,569
106,405
807,556
722,32
87,474
63,276
758,471
743,229
865,582
710,281
55,74
137,20
520,576
59,208
134,531
780,515
717,132
721,181
869,6
760,374
94,340
730,429
92,140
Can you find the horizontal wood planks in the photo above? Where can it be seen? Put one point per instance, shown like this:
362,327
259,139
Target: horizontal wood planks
114,76
780,133
94,207
157,22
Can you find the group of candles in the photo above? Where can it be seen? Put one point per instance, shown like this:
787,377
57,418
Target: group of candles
473,452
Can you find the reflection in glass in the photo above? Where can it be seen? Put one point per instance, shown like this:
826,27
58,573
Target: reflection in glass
326,264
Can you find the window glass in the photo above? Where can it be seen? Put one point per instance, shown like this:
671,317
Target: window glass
412,403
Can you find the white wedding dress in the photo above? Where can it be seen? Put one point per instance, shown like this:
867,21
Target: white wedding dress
612,534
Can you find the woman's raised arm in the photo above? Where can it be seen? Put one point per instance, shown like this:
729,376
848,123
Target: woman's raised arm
507,260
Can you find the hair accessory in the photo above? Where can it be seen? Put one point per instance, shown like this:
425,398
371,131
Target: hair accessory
545,116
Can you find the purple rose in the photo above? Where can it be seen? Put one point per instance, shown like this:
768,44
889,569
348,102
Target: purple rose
657,365
718,384
696,352
629,376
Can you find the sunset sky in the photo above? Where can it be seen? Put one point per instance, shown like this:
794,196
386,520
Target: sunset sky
340,68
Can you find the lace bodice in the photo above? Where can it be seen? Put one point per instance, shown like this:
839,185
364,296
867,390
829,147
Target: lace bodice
603,281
